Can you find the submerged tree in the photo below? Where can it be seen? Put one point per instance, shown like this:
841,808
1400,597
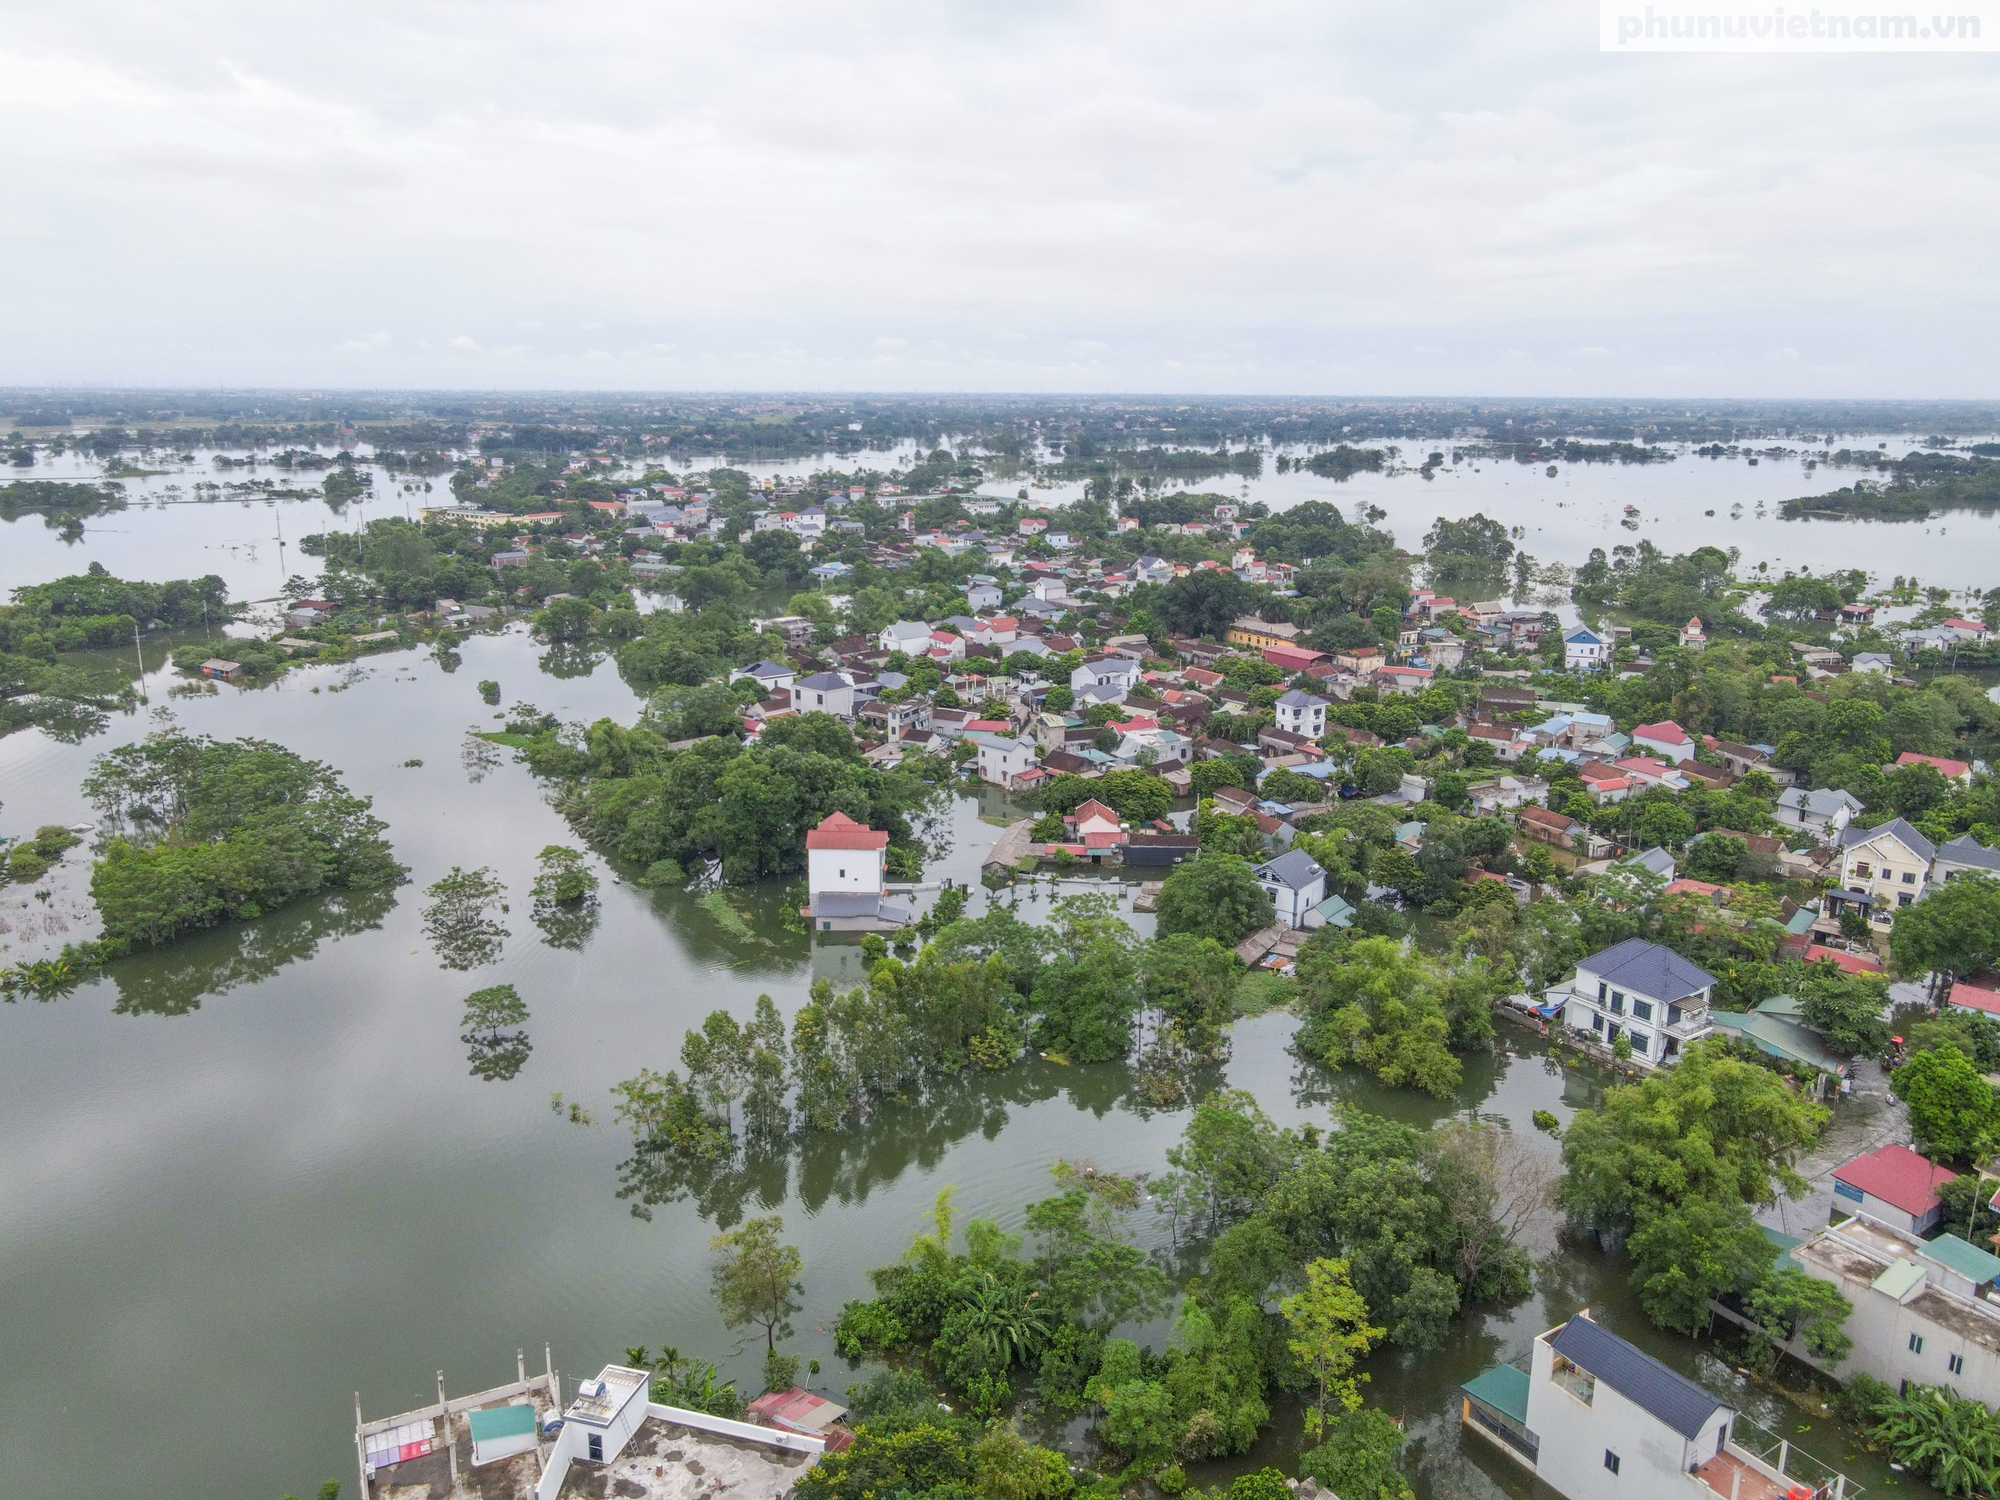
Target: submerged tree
565,895
461,919
756,1278
496,1054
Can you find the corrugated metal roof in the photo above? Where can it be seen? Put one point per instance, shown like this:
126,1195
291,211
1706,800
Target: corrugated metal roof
1637,1376
490,1422
1963,1257
1504,1388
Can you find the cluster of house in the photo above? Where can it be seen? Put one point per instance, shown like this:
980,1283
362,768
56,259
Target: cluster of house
1589,1413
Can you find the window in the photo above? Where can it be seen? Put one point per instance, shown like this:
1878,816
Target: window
1861,868
1610,1460
1602,987
1955,1363
1640,1042
596,1442
1618,1000
1642,1010
1596,1021
1904,898
1909,877
1673,1015
1916,1343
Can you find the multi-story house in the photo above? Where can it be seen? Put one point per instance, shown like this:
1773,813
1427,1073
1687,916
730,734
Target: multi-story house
1882,870
1301,714
1585,651
1642,991
1595,1416
1923,1310
1819,810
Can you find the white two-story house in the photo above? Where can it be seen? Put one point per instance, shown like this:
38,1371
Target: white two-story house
1882,870
1294,883
1596,1416
1641,991
1585,650
824,693
1300,713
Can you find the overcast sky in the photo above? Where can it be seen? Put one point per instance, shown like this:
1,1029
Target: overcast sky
1440,198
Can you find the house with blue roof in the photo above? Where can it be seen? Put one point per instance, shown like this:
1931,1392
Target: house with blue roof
1595,1415
1585,651
1642,991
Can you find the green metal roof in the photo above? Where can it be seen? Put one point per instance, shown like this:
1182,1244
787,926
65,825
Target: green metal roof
1786,1244
490,1422
1781,1005
1963,1257
1504,1388
1904,1277
1784,1039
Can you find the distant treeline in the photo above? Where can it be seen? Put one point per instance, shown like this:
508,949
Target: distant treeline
1919,486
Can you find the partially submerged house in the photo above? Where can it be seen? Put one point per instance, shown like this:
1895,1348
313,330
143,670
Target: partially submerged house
846,878
1595,1415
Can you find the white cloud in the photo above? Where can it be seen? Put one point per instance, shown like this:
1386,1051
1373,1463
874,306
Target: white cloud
1277,196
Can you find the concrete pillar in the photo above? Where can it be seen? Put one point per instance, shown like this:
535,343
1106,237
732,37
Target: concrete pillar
360,1451
521,1366
450,1442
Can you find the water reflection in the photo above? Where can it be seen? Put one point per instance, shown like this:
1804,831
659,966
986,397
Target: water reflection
174,981
496,1054
845,1166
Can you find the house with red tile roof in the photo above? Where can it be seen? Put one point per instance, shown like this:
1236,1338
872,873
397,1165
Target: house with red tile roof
1950,770
1892,1185
1840,958
1665,739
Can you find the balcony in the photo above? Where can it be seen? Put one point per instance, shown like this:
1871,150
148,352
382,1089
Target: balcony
1756,1464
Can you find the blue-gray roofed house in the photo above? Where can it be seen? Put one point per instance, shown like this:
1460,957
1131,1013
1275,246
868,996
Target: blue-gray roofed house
1641,991
1294,883
1595,1415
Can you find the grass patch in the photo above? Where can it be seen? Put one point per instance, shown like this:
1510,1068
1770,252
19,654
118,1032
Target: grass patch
1260,991
728,918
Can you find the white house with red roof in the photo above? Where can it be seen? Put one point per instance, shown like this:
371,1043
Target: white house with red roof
1604,783
846,878
1645,771
1967,630
1892,1185
1665,739
1693,637
1974,1000
1951,770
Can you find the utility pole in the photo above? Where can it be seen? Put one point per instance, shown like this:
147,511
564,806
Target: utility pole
278,519
140,650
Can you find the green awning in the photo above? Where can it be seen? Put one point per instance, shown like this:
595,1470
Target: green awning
490,1423
1504,1388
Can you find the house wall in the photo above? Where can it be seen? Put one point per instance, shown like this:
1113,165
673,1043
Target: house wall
1882,1329
1849,1200
1574,1437
844,870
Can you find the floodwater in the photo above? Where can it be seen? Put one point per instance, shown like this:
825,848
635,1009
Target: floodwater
249,1176
1689,502
245,1178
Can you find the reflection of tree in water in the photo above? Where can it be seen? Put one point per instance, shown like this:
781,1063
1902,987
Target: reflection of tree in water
1314,1083
479,757
173,981
496,1054
847,1165
570,659
566,907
